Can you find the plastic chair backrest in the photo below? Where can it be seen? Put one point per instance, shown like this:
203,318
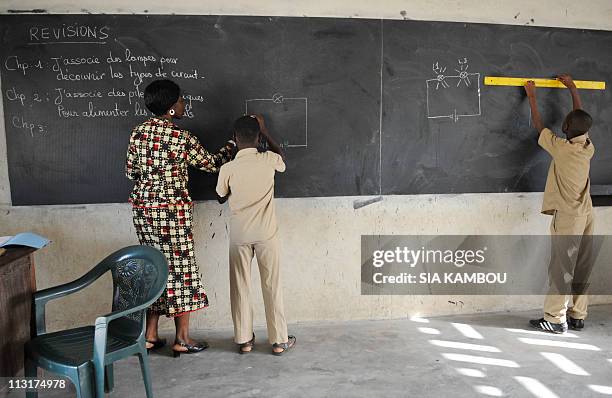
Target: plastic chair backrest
140,274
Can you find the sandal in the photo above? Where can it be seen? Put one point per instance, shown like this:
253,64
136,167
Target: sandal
157,344
191,348
285,346
249,344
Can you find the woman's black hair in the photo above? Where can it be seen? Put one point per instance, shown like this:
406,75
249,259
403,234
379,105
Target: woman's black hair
160,95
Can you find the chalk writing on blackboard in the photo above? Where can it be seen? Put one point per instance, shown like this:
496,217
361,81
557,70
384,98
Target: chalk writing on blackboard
104,83
72,33
453,96
287,118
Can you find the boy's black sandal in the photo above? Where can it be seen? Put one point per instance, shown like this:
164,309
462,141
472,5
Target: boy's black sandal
285,346
248,344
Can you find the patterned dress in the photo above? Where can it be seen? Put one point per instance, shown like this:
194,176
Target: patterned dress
158,156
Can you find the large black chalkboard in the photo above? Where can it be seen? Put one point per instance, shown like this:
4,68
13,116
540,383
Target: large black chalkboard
495,151
316,79
356,102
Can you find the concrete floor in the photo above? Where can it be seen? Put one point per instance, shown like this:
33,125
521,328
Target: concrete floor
458,356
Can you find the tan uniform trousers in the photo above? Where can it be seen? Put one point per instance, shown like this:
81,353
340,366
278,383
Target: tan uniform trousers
570,266
240,257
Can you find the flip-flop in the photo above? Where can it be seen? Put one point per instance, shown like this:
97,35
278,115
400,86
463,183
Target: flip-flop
285,346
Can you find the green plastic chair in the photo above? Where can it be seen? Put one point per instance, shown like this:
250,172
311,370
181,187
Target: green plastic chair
86,354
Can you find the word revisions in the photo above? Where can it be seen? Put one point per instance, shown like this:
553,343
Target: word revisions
67,32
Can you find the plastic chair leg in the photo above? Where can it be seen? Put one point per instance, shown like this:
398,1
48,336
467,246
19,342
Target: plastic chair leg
109,378
146,377
30,370
99,381
85,390
83,383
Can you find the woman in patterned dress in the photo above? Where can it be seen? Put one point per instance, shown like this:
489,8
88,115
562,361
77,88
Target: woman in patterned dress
158,156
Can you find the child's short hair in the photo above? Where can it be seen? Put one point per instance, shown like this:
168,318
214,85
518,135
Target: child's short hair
578,122
246,128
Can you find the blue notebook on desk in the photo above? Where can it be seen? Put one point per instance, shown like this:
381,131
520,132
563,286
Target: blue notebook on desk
28,239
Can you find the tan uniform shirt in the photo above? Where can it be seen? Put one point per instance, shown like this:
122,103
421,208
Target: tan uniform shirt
249,180
567,185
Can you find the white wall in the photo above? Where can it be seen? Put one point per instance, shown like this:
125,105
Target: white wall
320,236
592,14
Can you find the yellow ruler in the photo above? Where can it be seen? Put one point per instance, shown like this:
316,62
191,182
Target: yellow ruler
553,83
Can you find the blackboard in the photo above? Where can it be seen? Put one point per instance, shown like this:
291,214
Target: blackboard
456,135
356,102
319,76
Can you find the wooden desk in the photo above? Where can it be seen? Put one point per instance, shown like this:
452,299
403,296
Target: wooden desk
17,283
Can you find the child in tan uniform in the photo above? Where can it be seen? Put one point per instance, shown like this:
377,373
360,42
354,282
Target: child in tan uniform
248,182
567,199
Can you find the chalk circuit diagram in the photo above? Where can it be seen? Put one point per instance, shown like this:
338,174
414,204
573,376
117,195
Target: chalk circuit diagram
287,118
453,96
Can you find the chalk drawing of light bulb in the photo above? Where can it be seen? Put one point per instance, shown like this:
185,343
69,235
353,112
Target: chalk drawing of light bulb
464,76
441,79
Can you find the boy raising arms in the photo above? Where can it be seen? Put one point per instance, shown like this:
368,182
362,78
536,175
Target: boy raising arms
248,182
568,200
